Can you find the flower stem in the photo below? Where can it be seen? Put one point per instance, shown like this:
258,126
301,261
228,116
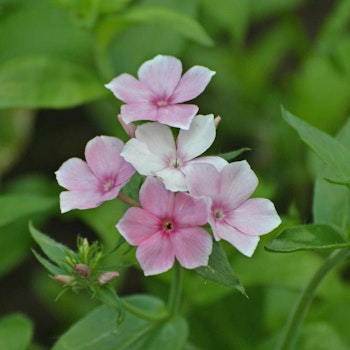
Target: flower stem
297,315
127,200
175,290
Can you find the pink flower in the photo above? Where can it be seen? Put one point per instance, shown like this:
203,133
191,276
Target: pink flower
165,228
98,179
232,215
154,151
159,93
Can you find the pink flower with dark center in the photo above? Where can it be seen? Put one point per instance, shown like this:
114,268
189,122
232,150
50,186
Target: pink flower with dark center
167,227
154,151
98,179
160,91
232,215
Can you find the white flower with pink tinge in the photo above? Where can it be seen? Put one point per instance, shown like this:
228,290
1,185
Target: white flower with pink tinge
167,227
232,215
154,151
160,91
98,179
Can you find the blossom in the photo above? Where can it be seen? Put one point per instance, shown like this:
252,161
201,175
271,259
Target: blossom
165,228
154,151
232,215
160,91
98,179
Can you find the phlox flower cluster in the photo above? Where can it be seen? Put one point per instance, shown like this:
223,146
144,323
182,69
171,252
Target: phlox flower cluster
183,193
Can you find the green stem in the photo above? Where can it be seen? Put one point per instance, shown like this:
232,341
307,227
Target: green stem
146,316
297,315
175,290
127,200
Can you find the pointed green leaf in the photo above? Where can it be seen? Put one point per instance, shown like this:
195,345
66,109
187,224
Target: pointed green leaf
330,150
55,251
132,334
307,237
15,206
16,332
229,156
219,269
53,269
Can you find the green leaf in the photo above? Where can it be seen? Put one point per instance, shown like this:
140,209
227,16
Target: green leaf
16,332
45,82
55,251
229,156
15,206
53,269
331,151
132,334
307,237
219,269
331,204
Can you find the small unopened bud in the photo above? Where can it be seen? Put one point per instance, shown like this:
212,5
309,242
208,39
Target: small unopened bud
64,279
107,277
82,270
217,120
128,128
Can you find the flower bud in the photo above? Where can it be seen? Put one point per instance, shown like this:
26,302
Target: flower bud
82,270
217,121
128,128
107,277
64,279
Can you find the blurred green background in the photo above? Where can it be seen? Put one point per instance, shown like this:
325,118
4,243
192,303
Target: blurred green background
55,57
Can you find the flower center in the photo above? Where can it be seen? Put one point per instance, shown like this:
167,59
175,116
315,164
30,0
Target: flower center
219,214
175,163
168,226
161,103
108,185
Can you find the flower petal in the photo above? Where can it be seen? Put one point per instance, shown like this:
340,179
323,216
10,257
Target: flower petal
238,182
193,83
173,179
129,90
244,243
189,211
138,111
137,225
192,246
178,116
202,179
161,74
102,154
200,136
218,162
70,200
155,198
155,254
256,216
75,174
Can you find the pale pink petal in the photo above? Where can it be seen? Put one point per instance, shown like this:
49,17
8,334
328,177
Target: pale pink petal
161,74
255,217
102,155
142,158
178,116
158,138
190,211
137,225
202,180
238,182
155,198
74,174
138,111
173,179
128,128
200,136
126,170
218,162
70,200
192,246
129,90
193,83
244,243
156,254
